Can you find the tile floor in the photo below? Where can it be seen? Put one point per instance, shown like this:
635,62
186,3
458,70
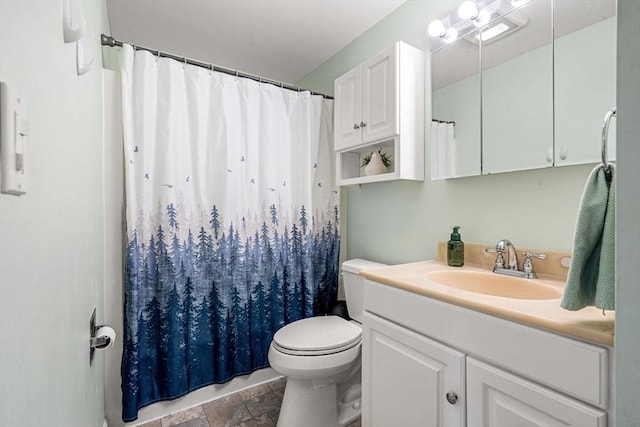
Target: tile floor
257,406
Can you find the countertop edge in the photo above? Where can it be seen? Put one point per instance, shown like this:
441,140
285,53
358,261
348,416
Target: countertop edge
520,311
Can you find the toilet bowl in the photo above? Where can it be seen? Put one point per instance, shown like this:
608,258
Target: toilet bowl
320,357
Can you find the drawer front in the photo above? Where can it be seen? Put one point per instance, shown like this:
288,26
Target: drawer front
573,367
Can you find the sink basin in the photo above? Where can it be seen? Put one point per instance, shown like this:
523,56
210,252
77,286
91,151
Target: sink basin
495,284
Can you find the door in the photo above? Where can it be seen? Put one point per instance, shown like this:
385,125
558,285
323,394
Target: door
348,110
499,399
380,95
406,378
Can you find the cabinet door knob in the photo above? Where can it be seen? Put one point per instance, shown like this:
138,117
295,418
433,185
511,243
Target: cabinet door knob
362,124
355,126
564,152
452,397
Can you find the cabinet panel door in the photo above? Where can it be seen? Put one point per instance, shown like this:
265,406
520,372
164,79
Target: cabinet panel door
348,109
380,93
406,377
499,399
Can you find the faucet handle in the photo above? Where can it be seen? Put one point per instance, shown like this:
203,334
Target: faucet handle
499,258
527,266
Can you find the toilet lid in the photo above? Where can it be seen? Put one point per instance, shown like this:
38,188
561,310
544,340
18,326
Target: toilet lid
317,336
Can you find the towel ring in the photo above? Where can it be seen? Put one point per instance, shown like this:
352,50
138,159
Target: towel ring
605,134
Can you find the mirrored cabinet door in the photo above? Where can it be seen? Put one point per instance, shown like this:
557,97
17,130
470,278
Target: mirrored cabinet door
455,137
517,91
585,79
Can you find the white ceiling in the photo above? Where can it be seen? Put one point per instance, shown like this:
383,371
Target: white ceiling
283,40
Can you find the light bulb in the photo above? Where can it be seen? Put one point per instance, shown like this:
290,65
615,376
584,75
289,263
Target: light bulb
436,29
450,36
468,10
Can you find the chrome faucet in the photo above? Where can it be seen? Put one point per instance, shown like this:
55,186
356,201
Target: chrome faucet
512,256
505,248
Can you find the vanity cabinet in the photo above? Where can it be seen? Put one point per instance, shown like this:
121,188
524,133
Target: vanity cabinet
430,363
408,377
380,105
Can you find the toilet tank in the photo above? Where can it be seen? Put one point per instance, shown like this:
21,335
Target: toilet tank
354,285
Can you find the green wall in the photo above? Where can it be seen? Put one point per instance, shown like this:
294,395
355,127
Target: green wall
51,239
399,221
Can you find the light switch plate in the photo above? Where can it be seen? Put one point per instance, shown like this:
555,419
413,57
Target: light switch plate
14,131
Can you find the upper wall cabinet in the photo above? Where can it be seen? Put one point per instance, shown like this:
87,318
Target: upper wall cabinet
379,108
366,101
531,97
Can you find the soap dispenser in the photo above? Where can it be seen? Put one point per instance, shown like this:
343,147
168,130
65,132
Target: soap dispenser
455,249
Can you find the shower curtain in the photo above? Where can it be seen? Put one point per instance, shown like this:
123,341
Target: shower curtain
443,150
232,223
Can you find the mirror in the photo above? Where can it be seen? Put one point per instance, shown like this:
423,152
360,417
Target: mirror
456,110
532,98
584,78
517,92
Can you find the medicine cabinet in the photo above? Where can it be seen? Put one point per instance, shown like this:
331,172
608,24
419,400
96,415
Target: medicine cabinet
534,98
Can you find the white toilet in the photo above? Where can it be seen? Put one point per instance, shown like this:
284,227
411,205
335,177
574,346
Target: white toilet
320,356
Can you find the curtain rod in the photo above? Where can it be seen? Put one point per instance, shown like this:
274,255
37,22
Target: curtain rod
111,42
449,122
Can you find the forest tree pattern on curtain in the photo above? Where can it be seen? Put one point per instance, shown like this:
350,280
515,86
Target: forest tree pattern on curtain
213,301
231,220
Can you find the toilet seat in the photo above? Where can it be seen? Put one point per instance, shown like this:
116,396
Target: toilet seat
317,336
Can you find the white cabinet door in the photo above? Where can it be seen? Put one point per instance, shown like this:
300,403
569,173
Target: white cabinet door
406,378
348,109
496,398
380,95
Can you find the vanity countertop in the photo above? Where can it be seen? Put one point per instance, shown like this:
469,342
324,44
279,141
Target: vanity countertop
589,323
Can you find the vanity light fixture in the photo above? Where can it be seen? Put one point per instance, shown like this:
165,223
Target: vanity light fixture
496,18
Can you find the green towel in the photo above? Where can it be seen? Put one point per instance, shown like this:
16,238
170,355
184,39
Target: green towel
591,279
